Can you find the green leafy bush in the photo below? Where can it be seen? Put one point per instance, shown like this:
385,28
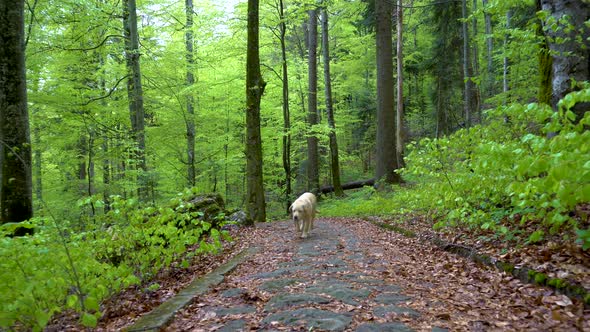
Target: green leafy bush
526,166
67,265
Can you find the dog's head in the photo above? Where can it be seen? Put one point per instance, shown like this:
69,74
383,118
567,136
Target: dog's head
296,211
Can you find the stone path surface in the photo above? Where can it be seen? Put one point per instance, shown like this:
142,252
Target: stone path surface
326,282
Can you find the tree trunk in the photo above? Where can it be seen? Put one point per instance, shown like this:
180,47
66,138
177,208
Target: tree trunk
349,185
286,112
545,63
190,100
489,49
16,202
475,72
135,92
571,53
255,205
313,175
386,155
399,130
38,166
334,162
505,84
106,174
469,90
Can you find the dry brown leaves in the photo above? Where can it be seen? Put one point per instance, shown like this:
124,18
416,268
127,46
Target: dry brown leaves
456,293
447,290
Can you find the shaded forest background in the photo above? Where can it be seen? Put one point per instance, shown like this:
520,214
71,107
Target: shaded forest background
136,109
83,146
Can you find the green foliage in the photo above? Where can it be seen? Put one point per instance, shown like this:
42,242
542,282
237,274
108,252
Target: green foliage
63,267
526,170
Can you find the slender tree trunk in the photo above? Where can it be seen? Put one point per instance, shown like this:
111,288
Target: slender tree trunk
386,156
570,48
399,130
255,206
490,82
545,63
505,83
16,197
135,92
106,174
190,100
334,162
90,170
286,112
313,175
37,165
37,155
469,90
476,68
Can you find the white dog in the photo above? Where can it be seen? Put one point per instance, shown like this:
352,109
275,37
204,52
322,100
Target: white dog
303,212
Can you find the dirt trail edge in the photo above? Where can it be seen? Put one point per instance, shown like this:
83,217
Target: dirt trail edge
351,275
161,315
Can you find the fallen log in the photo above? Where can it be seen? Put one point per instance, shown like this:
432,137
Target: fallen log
348,186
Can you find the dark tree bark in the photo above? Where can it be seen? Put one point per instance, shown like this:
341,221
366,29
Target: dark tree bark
16,202
570,48
190,100
135,92
334,162
313,174
255,205
286,111
386,155
349,185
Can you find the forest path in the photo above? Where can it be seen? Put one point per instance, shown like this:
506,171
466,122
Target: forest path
350,275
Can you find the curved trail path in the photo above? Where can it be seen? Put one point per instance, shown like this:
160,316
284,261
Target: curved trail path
350,275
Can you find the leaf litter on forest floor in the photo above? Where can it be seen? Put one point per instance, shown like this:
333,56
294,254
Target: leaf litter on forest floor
446,290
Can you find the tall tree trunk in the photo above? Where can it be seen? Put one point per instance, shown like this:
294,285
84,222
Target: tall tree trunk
38,166
135,92
469,90
475,72
16,197
190,100
545,63
286,113
334,162
570,48
313,174
490,82
255,206
386,155
505,83
399,130
106,174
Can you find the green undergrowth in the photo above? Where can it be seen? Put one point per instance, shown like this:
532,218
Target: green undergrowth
76,265
522,175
